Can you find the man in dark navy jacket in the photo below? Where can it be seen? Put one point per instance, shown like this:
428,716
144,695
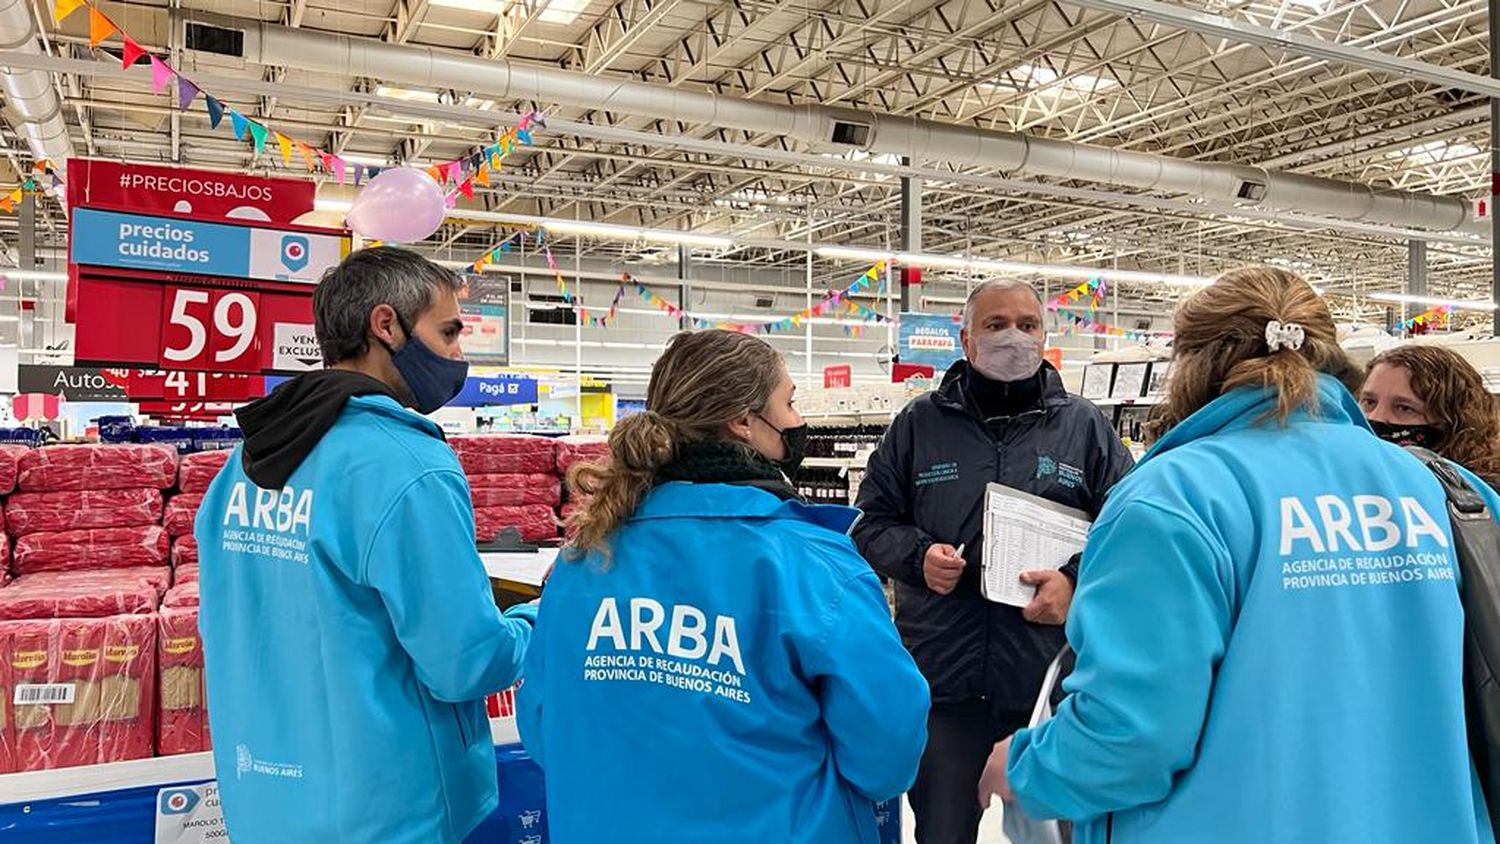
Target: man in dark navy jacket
1000,416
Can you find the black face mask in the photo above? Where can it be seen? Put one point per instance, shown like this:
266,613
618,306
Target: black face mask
1422,436
795,440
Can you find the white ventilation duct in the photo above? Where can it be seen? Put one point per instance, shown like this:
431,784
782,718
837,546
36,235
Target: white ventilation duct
29,93
845,129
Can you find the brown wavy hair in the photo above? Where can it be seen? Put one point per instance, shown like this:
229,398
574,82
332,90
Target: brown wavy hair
1457,401
702,382
1219,344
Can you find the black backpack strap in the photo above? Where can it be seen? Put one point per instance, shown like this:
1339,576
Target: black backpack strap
1476,543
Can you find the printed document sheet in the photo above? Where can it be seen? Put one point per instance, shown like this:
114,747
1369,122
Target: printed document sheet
1025,533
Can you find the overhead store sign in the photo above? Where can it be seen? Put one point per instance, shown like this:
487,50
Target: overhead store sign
931,340
73,383
169,244
181,294
204,194
485,391
484,306
201,194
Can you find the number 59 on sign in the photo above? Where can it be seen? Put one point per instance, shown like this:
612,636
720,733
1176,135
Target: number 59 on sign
209,328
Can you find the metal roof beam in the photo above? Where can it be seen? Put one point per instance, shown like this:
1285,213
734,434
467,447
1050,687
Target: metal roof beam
1296,43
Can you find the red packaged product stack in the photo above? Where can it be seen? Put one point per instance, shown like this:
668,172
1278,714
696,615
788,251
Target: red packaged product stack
536,522
180,512
82,691
90,467
51,512
83,594
97,548
579,449
505,454
185,551
515,490
183,714
198,470
10,459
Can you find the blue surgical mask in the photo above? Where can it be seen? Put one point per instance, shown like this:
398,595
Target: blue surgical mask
432,379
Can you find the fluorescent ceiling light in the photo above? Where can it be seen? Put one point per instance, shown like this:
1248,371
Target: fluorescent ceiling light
321,204
368,160
963,262
1457,304
415,95
33,275
618,232
562,12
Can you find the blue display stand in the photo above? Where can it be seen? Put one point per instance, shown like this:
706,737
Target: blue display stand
128,815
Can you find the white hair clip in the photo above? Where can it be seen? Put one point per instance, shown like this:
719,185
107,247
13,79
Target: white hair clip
1284,335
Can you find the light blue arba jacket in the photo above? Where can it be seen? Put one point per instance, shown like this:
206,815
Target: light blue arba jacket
1269,643
732,675
350,635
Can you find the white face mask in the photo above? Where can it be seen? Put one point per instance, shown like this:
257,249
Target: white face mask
1009,355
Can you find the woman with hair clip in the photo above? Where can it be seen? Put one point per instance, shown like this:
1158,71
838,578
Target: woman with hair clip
1431,397
1268,626
714,661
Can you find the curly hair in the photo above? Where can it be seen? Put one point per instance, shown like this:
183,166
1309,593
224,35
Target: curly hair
1457,402
1219,344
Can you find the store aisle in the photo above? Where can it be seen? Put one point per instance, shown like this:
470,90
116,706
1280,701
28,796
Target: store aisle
989,828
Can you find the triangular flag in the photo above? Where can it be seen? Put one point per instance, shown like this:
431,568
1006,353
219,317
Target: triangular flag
240,124
307,156
286,148
524,136
7,204
63,8
100,27
186,93
56,181
456,171
215,110
161,75
259,132
451,201
131,52
359,174
467,188
372,172
340,171
30,184
483,176
41,166
436,174
15,195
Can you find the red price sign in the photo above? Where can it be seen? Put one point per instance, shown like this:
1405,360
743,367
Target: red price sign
841,375
210,328
191,411
150,385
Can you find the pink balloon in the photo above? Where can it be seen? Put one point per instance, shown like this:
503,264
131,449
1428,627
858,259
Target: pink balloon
403,205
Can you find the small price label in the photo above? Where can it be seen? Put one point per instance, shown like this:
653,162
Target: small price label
210,329
152,385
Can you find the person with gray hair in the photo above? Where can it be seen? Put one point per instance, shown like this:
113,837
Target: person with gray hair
1000,416
349,631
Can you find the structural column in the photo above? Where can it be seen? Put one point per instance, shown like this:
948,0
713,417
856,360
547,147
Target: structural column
1416,267
911,227
684,266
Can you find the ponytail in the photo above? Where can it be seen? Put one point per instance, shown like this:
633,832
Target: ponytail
703,381
1234,333
639,447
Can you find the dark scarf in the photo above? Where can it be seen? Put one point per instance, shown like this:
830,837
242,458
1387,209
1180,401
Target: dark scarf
720,462
1003,398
